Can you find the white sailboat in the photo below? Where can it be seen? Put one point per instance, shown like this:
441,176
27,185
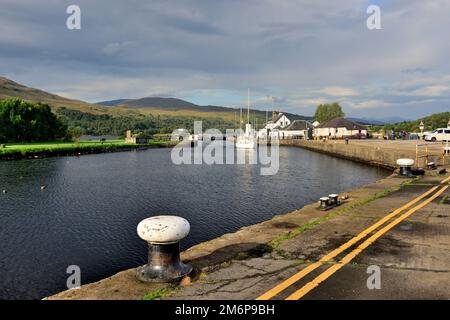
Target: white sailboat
247,139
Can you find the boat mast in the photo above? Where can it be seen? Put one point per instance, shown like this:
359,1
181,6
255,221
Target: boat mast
240,119
272,105
248,105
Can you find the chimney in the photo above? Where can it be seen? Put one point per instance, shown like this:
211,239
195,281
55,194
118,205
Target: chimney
274,115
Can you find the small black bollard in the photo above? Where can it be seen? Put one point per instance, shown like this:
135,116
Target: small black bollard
324,203
334,199
405,167
431,166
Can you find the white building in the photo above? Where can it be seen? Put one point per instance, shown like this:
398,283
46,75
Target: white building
283,128
340,128
298,129
279,121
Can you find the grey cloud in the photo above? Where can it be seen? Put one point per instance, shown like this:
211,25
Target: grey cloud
303,51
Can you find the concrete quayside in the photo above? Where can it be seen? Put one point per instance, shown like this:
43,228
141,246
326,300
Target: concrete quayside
399,225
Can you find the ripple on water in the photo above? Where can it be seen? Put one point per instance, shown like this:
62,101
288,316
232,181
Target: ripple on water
88,213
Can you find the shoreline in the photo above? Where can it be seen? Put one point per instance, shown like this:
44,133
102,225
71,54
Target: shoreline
356,151
80,151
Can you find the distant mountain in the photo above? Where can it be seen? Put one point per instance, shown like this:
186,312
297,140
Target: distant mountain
390,120
112,103
379,121
183,106
164,103
367,121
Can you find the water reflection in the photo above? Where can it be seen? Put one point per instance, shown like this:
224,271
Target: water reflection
88,213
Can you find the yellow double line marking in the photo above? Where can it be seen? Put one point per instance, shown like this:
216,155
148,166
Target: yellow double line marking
326,274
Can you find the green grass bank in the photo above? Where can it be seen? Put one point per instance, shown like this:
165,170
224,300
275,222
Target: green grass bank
15,151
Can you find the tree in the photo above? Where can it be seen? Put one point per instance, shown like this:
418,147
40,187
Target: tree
22,121
434,121
327,112
104,124
73,134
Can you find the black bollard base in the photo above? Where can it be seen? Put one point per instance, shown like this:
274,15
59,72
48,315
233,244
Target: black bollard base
406,172
164,264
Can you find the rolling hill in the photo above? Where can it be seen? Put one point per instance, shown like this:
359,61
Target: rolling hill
155,106
178,107
148,115
112,103
158,103
437,120
157,114
11,89
152,102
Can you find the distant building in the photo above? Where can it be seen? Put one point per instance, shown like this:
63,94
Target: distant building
130,138
298,129
340,128
284,128
316,123
279,121
180,135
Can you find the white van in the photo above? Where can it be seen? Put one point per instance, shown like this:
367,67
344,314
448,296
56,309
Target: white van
441,134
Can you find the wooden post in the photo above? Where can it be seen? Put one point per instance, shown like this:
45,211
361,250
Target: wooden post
417,155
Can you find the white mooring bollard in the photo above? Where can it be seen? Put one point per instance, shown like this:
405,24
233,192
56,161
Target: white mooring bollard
163,234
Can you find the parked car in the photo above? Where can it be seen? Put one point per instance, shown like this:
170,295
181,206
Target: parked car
440,134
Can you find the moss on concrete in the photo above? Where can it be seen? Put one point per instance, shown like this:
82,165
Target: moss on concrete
277,241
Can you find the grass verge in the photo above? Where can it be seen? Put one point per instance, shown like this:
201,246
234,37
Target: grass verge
48,149
159,294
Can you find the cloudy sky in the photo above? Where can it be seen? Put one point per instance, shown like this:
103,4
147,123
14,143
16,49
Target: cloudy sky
303,52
